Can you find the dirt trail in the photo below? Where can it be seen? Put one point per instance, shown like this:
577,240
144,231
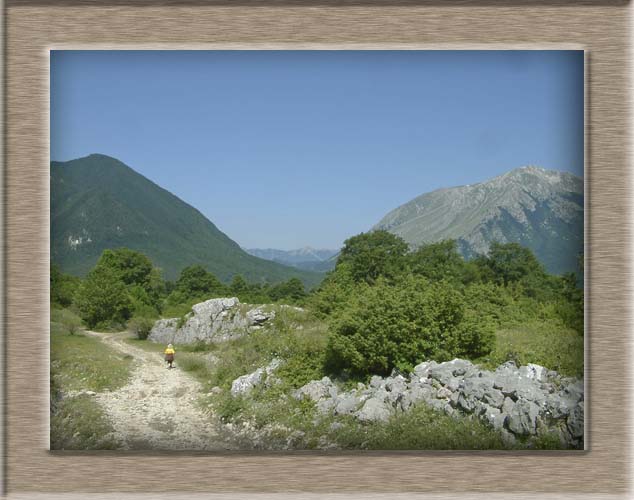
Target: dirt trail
157,409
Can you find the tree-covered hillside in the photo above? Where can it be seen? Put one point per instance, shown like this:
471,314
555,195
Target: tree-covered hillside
99,203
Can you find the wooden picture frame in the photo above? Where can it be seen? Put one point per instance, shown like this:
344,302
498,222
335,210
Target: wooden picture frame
33,27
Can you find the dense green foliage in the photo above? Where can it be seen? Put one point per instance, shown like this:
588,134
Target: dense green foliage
125,287
63,287
388,308
385,327
441,261
141,327
383,307
102,299
122,284
98,203
368,256
292,289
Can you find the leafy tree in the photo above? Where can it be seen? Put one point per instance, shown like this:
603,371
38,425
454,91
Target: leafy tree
368,256
333,292
129,266
63,287
292,289
103,298
438,261
196,281
385,326
70,321
511,262
258,293
156,287
141,326
570,307
239,287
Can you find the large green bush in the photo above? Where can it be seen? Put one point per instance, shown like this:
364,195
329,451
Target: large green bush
369,256
141,326
441,261
103,298
384,327
63,287
196,281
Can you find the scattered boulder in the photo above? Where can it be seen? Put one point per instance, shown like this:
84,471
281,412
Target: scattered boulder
575,422
444,393
416,394
347,403
317,390
422,370
374,409
495,418
244,385
523,418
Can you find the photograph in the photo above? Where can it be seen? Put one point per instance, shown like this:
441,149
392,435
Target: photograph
328,250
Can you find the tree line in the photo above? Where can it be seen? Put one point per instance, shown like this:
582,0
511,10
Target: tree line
124,285
387,306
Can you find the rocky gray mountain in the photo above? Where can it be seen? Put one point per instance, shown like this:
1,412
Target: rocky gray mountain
537,208
307,258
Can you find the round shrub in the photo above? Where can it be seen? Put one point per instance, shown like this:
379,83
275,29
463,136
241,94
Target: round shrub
385,327
141,327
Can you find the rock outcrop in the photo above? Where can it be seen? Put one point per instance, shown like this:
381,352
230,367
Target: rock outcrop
243,385
519,402
214,320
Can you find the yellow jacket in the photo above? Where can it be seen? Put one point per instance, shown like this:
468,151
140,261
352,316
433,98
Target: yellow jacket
169,350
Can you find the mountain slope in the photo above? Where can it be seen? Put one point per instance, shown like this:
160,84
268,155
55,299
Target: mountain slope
97,202
313,259
540,209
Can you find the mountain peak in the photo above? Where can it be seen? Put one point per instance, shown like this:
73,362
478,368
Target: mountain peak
538,208
98,202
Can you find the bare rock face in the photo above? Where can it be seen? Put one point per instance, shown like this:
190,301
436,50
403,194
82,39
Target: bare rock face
214,320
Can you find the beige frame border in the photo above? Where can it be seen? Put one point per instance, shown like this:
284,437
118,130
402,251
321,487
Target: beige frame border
601,28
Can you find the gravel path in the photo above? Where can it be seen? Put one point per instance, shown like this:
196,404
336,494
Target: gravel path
158,408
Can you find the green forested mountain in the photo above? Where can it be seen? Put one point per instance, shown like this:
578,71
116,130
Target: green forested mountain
537,208
97,202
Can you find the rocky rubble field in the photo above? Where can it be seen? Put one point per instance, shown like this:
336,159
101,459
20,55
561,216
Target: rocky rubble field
519,402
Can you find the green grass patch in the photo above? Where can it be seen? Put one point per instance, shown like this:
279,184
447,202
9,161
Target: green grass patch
78,423
195,364
146,345
545,343
421,428
82,362
295,337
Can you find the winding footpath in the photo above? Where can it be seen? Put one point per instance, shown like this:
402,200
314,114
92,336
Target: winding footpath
158,408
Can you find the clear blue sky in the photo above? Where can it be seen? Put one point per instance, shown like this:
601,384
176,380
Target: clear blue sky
285,149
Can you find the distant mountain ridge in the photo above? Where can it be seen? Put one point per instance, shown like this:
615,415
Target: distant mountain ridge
98,202
308,258
538,208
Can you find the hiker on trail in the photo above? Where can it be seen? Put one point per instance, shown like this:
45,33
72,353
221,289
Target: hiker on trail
169,355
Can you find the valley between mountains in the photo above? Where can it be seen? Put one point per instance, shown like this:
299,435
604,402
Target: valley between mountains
457,322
